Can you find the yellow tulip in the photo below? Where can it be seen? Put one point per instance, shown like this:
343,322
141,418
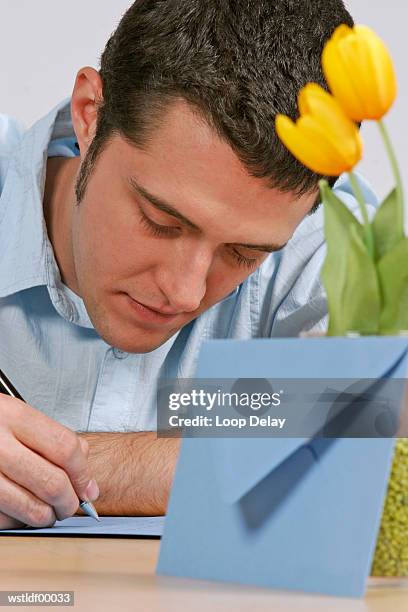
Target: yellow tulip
359,72
323,139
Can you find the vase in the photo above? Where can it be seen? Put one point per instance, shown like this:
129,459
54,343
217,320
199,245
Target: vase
391,553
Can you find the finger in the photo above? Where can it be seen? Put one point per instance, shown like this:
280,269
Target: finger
6,522
20,504
43,479
55,442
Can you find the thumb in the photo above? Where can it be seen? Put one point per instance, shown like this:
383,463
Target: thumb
80,474
92,489
84,446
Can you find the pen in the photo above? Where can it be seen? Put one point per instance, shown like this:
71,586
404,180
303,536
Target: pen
7,388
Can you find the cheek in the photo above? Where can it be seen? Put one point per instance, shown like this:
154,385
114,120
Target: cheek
109,243
223,279
96,239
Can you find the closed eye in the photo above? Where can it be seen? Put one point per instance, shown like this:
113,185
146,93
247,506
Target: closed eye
172,231
156,228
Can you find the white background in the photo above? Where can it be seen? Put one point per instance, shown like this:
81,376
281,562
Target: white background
43,44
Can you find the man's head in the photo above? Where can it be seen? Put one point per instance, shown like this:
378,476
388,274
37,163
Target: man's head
181,114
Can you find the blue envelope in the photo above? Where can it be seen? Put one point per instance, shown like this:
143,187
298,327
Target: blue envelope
287,513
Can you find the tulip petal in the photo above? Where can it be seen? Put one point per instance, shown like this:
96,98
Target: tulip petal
337,73
359,72
340,154
316,101
308,142
300,145
340,32
360,67
382,71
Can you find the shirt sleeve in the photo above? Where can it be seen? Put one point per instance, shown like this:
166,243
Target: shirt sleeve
11,132
291,295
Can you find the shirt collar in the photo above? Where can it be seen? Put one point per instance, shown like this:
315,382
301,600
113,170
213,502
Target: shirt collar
26,254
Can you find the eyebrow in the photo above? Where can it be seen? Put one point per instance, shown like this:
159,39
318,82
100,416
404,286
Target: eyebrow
171,210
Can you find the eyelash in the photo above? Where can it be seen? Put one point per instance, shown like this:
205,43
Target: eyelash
163,230
155,228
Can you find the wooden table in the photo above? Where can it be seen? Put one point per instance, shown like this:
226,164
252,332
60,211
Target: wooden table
119,575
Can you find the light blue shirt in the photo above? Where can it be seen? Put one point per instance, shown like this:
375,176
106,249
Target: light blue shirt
48,346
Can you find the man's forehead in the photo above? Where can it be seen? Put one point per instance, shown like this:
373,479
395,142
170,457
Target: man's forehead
217,170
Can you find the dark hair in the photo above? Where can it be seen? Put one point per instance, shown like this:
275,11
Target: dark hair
237,62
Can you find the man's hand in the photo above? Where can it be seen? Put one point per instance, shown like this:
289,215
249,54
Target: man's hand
43,468
134,471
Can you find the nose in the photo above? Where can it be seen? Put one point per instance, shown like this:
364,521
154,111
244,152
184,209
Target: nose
183,280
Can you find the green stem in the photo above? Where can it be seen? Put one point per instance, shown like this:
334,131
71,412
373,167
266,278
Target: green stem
397,176
368,233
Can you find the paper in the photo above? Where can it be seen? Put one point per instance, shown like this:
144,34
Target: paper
119,526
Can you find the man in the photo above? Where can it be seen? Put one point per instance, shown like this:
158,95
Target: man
155,210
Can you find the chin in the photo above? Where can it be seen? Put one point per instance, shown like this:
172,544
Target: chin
123,335
138,347
130,343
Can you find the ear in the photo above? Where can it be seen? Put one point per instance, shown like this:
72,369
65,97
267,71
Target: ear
85,96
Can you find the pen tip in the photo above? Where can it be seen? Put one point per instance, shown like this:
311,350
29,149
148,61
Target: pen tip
89,509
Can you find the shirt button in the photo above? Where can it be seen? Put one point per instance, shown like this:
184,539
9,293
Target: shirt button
119,354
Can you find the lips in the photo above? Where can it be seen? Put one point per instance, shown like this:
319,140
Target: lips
148,315
162,312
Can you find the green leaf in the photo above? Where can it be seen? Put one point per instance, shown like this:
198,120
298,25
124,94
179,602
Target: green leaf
348,273
387,230
361,295
393,277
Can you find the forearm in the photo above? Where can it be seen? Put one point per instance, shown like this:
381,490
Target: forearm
134,471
